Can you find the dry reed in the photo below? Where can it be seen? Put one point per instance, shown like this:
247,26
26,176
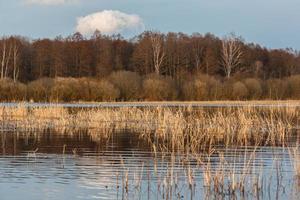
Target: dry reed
172,128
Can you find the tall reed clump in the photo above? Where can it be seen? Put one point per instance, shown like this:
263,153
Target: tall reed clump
173,128
231,173
295,158
35,119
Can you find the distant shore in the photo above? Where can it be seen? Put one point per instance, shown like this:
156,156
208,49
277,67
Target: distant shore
262,103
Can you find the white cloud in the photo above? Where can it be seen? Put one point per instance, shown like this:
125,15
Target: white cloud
49,2
109,22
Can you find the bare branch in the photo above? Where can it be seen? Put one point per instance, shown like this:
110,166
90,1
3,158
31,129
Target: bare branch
157,41
231,54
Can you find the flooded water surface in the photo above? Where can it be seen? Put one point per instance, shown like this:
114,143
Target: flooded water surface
52,165
156,104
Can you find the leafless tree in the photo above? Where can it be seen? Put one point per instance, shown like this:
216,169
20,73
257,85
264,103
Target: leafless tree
157,44
231,54
6,55
3,58
198,52
258,65
15,61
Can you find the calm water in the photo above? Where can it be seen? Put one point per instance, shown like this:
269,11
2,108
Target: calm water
150,104
55,166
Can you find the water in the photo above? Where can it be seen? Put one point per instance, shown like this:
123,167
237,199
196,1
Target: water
153,104
57,166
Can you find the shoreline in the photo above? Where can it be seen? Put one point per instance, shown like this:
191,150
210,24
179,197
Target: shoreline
254,103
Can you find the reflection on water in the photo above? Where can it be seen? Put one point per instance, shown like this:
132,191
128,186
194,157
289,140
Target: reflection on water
56,166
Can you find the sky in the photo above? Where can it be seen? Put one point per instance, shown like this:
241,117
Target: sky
271,23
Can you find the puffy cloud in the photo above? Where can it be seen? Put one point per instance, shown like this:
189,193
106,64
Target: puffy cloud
49,2
109,22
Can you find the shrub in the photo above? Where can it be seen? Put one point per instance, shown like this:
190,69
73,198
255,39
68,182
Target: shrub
103,90
276,89
66,89
254,88
39,90
201,87
12,91
239,91
294,86
195,90
201,90
213,88
129,84
227,90
158,88
188,90
83,89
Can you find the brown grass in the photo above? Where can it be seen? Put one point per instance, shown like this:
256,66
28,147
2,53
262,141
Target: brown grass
174,128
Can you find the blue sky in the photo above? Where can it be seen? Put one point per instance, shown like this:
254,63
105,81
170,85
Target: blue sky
273,23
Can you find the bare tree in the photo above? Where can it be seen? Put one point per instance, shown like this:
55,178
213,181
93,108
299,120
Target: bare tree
258,65
198,51
8,61
6,54
3,58
15,61
157,44
231,54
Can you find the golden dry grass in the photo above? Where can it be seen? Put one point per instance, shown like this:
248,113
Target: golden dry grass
174,128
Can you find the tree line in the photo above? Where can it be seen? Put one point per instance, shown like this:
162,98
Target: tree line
191,67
